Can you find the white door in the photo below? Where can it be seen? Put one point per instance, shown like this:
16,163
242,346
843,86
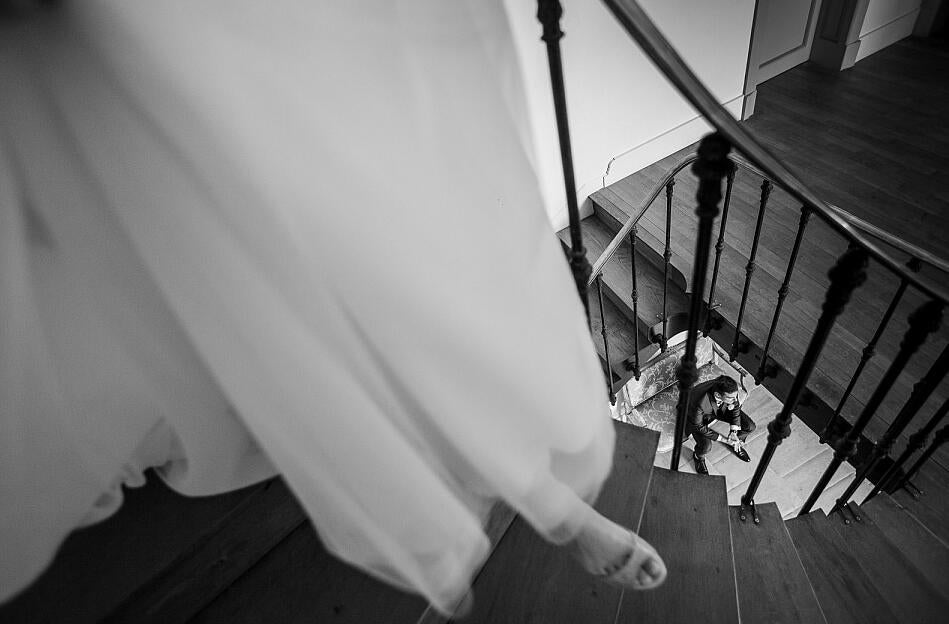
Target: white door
782,36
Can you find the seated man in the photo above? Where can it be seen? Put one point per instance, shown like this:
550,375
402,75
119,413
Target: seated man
712,400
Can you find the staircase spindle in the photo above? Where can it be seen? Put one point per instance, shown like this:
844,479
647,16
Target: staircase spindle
868,352
783,292
635,294
719,246
941,436
922,322
711,166
845,277
922,390
666,258
549,13
916,442
766,187
606,343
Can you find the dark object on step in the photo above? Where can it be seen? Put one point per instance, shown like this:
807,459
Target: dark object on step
700,466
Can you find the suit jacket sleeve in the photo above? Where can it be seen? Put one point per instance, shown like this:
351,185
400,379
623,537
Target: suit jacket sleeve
696,416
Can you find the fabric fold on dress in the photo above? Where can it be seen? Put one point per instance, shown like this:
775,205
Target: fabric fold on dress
290,237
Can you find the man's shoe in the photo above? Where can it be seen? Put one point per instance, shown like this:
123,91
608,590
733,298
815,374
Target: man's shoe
700,466
742,454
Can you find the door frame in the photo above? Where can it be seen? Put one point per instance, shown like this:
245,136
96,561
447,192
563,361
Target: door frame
758,70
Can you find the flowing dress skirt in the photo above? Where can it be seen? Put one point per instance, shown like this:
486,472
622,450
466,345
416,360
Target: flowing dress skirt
245,238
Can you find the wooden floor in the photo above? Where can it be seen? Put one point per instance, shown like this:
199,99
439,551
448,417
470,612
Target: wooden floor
873,140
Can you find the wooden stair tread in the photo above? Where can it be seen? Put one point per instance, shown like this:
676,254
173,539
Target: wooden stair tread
619,282
619,332
250,533
932,507
686,519
821,244
81,586
910,596
846,595
802,307
914,540
798,449
299,581
527,579
608,207
772,584
828,498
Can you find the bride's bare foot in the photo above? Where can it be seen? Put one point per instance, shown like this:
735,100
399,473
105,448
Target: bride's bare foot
618,555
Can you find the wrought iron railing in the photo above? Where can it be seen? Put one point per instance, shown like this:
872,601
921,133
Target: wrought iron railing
712,164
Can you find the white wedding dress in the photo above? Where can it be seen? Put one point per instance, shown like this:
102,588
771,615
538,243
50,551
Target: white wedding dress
242,238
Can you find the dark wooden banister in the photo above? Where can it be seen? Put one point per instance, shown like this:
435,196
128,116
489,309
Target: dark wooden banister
641,28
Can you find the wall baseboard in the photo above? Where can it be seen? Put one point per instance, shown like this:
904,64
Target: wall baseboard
645,154
833,55
660,146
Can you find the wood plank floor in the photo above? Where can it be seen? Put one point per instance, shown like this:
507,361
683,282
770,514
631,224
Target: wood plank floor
907,591
845,593
872,140
913,539
100,567
706,593
779,592
529,580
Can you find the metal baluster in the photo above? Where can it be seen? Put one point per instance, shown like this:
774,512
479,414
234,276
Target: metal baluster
783,292
606,344
766,187
666,256
549,13
711,166
916,442
921,324
632,257
941,437
848,274
719,246
868,352
922,390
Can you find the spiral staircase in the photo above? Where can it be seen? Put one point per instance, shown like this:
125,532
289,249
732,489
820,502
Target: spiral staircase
252,554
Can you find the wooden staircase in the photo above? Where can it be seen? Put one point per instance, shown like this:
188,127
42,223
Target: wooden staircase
821,246
888,567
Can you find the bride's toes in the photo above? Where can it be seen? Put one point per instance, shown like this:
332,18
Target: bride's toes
643,568
652,573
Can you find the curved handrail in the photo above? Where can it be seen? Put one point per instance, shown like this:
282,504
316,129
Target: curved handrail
634,218
639,26
895,241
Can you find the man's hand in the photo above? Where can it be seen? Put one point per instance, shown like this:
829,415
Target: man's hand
733,441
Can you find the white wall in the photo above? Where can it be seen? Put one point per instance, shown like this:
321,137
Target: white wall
885,23
623,114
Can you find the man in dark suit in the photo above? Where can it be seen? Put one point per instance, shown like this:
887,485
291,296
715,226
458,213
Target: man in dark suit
712,400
